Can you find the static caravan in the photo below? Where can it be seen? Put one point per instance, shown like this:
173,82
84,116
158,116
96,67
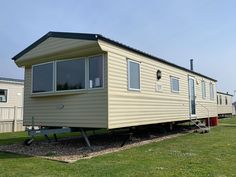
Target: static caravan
90,81
224,104
234,108
11,104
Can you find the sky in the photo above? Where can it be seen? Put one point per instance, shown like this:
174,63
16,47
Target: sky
175,30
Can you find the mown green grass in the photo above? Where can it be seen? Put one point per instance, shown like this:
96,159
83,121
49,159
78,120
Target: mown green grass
198,155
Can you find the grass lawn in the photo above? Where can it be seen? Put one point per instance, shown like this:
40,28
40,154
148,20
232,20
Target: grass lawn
206,155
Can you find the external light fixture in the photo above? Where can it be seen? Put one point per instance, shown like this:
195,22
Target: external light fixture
158,74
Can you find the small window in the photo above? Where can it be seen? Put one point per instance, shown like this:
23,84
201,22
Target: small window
217,99
3,95
212,96
43,78
174,84
203,89
220,99
70,74
134,75
96,72
226,101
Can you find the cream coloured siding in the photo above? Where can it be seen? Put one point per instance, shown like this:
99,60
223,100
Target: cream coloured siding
148,106
81,109
56,45
14,94
59,48
13,108
223,108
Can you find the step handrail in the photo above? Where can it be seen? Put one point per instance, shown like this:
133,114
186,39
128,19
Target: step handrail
208,114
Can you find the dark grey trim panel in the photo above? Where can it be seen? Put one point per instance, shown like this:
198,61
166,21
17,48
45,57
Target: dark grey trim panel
11,79
95,37
225,93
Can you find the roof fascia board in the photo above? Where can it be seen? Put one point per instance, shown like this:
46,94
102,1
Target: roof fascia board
87,36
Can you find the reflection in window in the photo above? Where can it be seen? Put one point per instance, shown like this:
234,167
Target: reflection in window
174,84
203,89
134,75
95,72
212,96
43,78
70,74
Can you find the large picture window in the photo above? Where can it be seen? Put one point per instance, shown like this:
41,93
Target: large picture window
174,84
70,75
133,75
95,72
66,75
43,78
3,95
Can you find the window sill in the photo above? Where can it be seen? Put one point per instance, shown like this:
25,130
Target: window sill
60,93
66,92
134,90
175,92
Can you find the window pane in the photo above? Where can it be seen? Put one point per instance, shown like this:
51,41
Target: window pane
203,89
3,95
95,72
134,75
43,78
212,96
71,74
175,84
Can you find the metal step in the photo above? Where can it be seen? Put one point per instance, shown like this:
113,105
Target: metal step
201,127
203,130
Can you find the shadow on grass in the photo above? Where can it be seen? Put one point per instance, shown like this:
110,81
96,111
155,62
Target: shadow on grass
10,155
228,125
8,141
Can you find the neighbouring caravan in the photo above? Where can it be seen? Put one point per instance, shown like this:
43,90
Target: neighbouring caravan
88,80
11,104
234,108
224,104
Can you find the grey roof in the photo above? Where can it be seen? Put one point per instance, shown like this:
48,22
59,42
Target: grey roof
225,93
11,79
95,37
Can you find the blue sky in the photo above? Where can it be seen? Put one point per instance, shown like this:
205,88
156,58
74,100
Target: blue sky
175,30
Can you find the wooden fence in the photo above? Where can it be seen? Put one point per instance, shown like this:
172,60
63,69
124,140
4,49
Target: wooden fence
11,119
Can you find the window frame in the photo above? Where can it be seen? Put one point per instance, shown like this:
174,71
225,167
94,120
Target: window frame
204,94
55,74
212,90
139,63
54,89
6,96
32,78
171,86
226,100
87,73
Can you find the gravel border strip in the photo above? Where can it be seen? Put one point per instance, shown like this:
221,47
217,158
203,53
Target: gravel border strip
74,158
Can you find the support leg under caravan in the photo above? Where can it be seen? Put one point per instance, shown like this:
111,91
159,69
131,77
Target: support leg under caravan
46,131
